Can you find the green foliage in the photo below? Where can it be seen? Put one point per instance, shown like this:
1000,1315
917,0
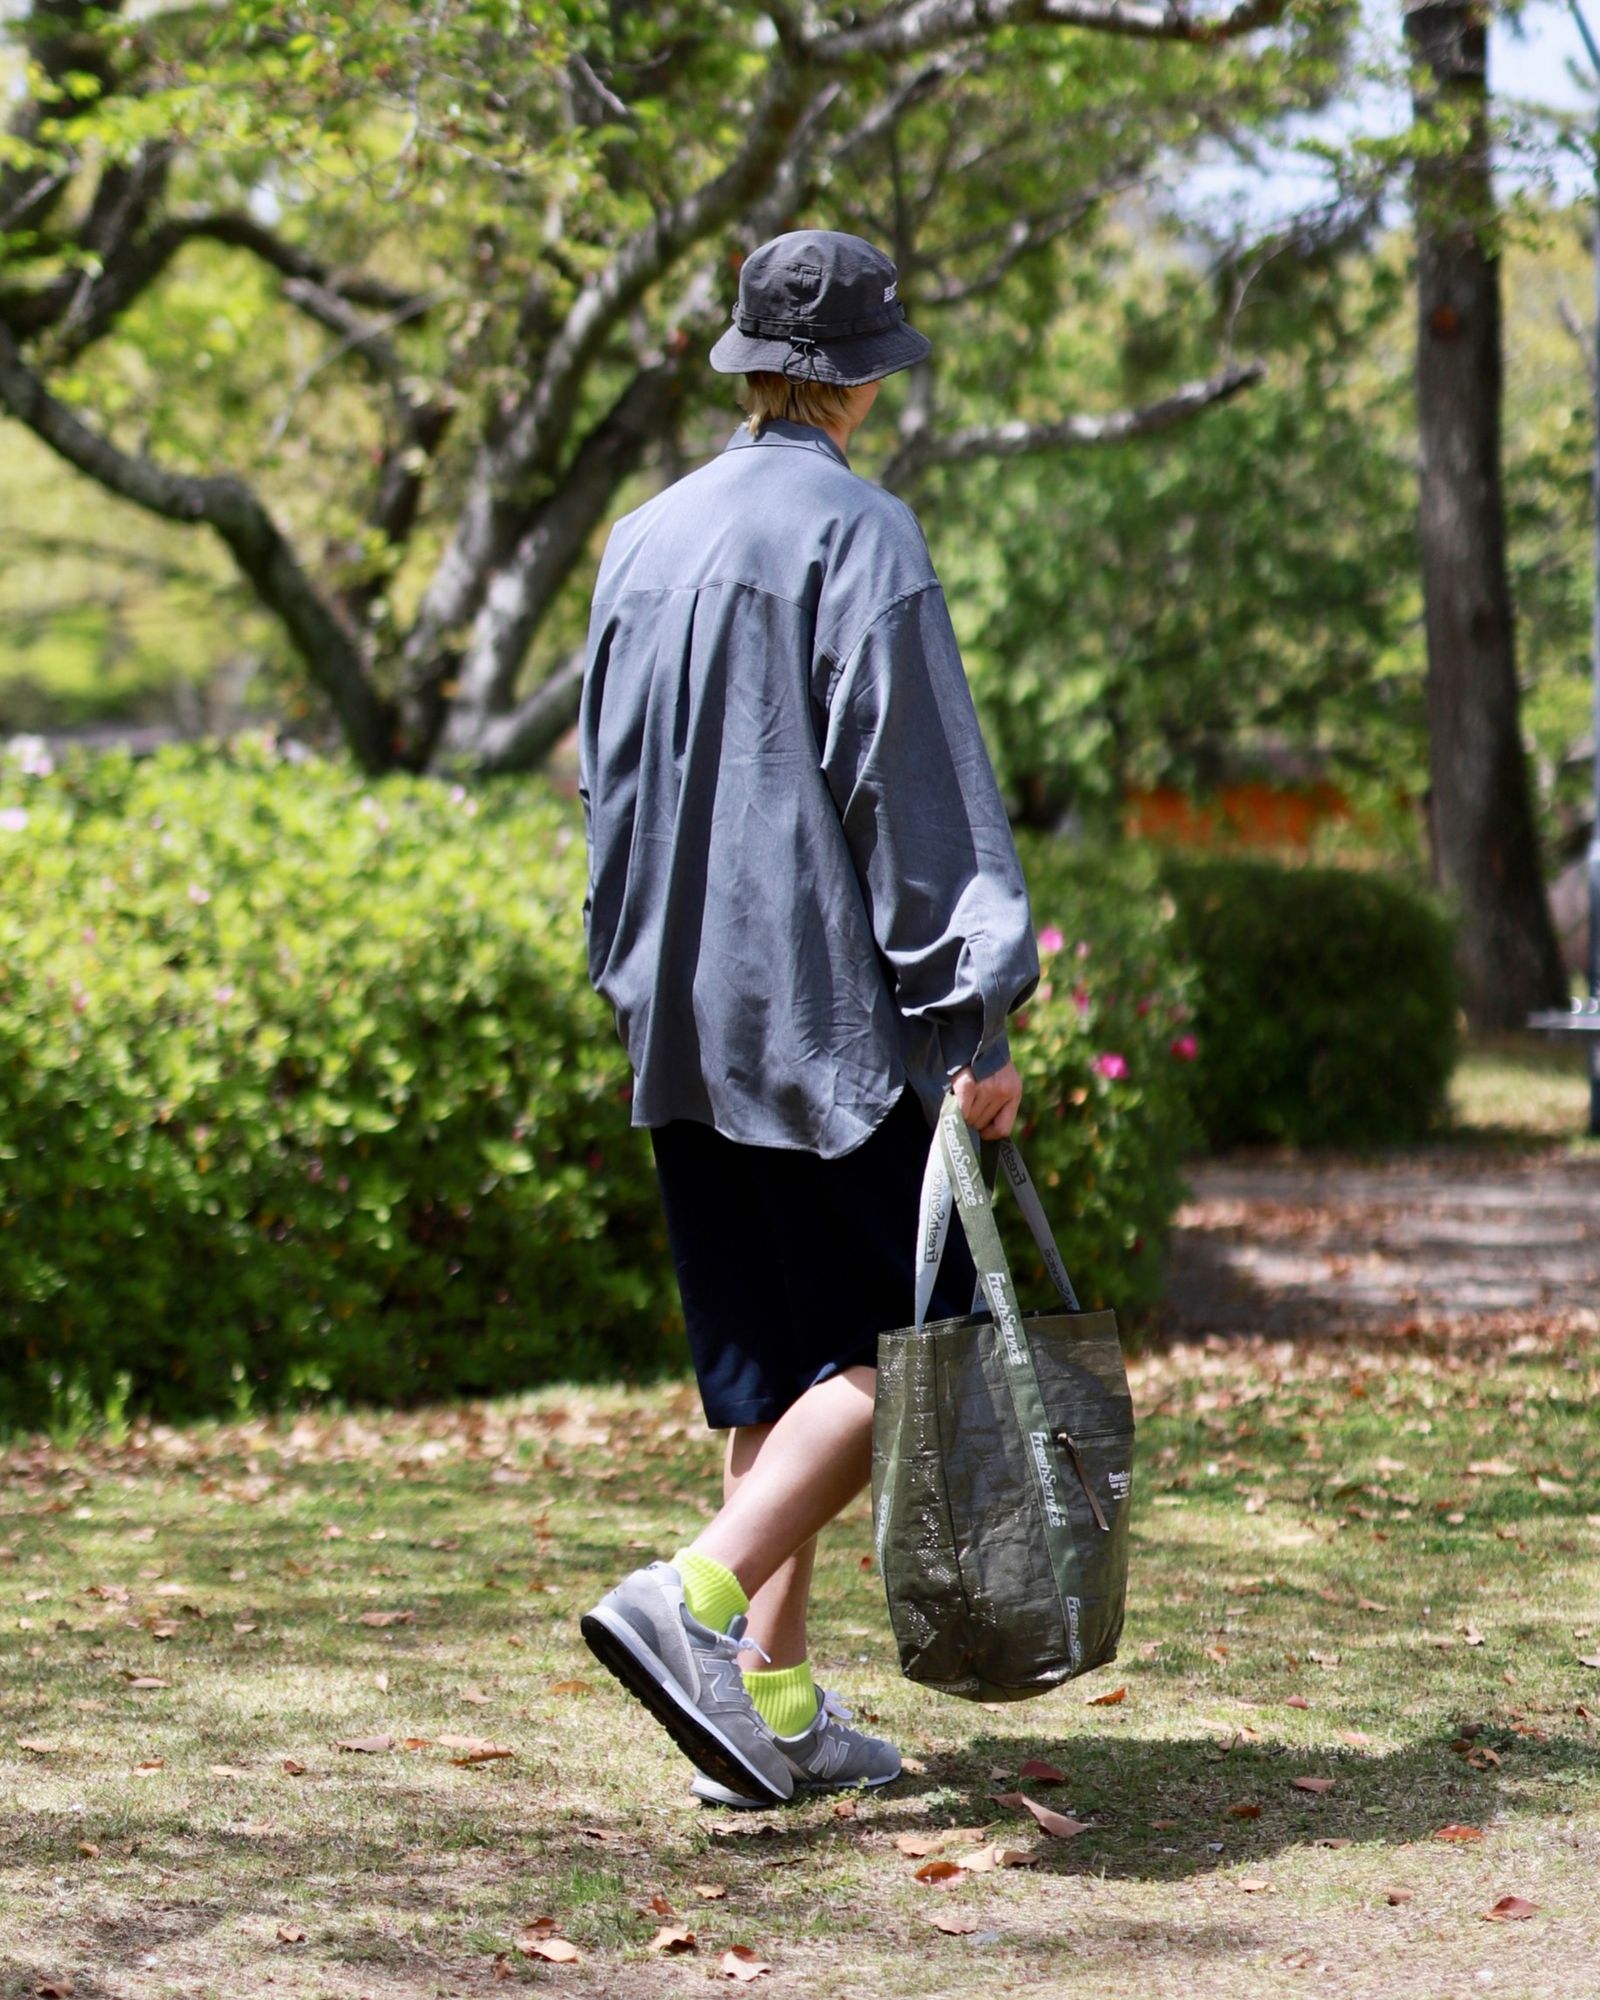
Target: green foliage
466,173
1153,611
302,1086
1105,1051
1328,1005
303,1090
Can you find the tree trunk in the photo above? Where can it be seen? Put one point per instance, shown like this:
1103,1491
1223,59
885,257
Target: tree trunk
1485,848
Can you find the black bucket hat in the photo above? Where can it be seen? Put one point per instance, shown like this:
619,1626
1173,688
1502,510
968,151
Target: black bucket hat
819,305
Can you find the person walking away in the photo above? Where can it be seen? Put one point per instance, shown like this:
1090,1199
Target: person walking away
806,910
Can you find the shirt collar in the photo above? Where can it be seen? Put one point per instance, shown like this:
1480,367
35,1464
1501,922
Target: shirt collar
778,430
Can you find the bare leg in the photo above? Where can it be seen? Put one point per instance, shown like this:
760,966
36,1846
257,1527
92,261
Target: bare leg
812,1462
778,1609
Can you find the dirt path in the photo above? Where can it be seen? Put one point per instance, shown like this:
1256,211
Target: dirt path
1434,1241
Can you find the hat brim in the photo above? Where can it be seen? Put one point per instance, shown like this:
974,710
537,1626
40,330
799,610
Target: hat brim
845,363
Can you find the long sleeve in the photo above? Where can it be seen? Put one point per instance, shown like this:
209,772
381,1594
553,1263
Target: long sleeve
906,764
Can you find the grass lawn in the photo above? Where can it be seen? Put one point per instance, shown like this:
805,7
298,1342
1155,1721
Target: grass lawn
251,1677
1518,1088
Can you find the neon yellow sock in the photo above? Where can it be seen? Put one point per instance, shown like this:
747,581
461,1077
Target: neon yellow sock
711,1592
785,1699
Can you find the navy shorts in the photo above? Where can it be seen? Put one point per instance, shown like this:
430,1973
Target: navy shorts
789,1265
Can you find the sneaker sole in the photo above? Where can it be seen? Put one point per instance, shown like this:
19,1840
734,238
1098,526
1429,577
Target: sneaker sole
624,1655
713,1793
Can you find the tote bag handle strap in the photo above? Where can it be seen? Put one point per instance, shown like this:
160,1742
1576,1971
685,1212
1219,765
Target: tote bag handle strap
960,1175
953,1158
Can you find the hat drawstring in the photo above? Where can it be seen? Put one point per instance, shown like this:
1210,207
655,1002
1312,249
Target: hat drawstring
801,347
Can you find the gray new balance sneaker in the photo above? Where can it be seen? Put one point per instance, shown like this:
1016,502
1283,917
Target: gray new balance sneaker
688,1677
827,1757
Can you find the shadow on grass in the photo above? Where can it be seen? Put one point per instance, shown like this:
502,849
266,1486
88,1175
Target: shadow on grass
1122,1787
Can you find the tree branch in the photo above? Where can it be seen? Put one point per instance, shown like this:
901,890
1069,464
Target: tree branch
523,739
1023,236
928,24
512,470
229,507
520,593
1012,440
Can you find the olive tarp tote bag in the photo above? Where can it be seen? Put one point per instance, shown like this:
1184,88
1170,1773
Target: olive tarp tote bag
1002,1459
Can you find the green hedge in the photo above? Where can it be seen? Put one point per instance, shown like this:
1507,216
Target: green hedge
303,1090
1328,1004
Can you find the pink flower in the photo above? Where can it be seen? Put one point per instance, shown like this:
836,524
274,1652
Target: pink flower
1185,1047
1045,992
1082,949
1143,1007
1080,998
1110,1065
13,819
1051,939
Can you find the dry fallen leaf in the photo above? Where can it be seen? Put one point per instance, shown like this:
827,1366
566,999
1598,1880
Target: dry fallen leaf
1398,1896
845,1809
1253,1885
55,1989
147,1681
39,1745
939,1874
1312,1784
1510,1910
541,1927
1458,1832
1107,1700
149,1767
572,1687
473,1749
954,1924
1296,1701
709,1892
658,1906
555,1950
982,1859
1165,1825
383,1619
368,1746
740,1962
672,1939
477,1696
227,1771
1057,1825
1244,1812
1217,1653
291,1934
1589,1659
88,1851
292,1768
1042,1774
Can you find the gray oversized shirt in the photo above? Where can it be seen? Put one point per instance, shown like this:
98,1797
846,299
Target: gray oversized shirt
803,890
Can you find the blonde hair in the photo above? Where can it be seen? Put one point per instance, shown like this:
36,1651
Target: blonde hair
793,400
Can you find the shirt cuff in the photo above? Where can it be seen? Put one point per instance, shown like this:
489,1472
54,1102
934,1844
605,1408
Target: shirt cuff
987,1061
